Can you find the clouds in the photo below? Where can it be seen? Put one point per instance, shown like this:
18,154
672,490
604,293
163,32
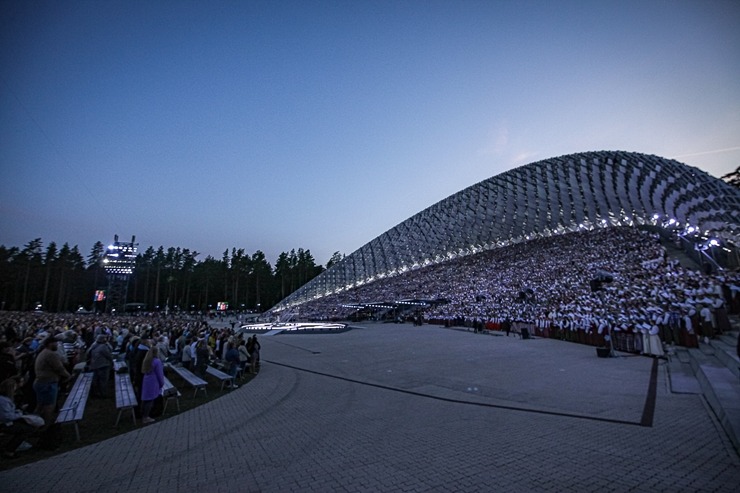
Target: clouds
503,150
705,153
497,142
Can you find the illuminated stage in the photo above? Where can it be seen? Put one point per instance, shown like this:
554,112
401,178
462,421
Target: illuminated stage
293,327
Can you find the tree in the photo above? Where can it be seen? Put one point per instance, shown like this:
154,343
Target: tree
733,178
336,257
31,258
49,259
144,262
68,263
94,263
188,266
159,259
8,275
262,272
282,272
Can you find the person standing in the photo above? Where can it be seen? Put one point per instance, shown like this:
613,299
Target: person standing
232,359
507,326
707,325
100,356
49,371
152,383
137,375
187,355
202,358
243,354
253,348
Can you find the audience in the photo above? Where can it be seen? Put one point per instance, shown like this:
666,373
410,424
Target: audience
546,285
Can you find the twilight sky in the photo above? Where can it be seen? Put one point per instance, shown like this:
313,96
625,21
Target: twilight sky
278,125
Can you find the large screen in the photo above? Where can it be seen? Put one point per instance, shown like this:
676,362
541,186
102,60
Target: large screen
222,306
99,295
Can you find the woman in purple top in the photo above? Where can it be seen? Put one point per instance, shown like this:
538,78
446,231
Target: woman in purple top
153,382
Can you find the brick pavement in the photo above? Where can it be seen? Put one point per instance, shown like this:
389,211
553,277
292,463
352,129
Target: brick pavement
398,408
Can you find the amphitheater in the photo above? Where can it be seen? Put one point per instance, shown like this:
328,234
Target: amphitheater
571,193
438,407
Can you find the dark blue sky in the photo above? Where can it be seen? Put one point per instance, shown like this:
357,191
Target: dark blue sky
274,125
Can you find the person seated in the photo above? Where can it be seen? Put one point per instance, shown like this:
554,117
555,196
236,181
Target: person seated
12,420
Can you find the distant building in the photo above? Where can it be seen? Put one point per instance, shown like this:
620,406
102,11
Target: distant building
559,195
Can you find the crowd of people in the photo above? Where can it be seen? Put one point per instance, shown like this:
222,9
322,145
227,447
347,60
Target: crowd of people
39,353
614,286
585,286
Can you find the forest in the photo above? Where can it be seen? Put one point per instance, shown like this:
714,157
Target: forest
61,278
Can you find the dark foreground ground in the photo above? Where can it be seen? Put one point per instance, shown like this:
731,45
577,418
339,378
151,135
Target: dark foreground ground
402,408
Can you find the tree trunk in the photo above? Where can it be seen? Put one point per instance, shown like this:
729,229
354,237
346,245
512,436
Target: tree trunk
156,289
25,286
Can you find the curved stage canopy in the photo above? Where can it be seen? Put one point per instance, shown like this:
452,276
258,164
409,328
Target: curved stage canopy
551,197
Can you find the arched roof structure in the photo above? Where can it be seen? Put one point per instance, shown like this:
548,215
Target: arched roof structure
551,197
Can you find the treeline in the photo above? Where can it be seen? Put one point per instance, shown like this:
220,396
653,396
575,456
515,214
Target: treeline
61,279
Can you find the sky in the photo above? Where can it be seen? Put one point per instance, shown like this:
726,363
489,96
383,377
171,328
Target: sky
320,125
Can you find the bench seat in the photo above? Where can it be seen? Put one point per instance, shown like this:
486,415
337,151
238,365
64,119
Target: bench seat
125,396
74,406
169,392
192,379
224,377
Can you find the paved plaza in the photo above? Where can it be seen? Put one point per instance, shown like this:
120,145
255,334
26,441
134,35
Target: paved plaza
402,408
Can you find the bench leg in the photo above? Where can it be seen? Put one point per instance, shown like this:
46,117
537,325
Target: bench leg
133,415
77,431
164,408
119,417
177,401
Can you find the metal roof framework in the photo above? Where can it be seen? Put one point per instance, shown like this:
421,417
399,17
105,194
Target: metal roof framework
556,196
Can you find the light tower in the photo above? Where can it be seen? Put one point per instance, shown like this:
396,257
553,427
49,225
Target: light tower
119,262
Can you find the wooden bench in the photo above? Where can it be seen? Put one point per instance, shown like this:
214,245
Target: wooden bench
169,391
120,366
74,407
224,377
193,380
125,396
223,366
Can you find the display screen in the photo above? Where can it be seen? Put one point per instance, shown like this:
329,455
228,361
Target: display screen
99,295
222,306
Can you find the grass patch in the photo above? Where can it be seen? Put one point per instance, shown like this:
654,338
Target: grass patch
100,418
